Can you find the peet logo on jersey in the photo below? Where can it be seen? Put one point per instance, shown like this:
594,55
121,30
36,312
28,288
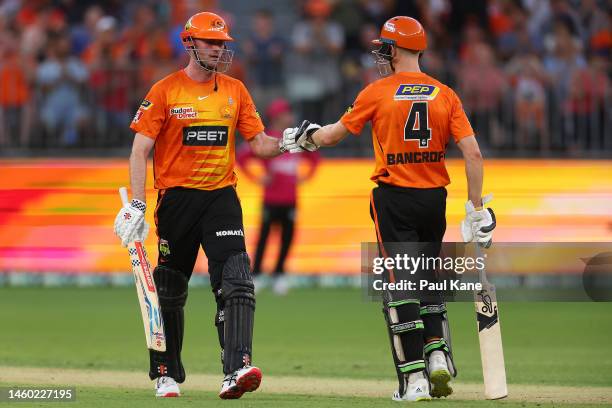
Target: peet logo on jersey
186,112
205,135
416,92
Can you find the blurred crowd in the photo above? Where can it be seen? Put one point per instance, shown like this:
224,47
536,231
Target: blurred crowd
534,75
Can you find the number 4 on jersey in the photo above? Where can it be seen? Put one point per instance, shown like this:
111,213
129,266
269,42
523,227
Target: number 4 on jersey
418,110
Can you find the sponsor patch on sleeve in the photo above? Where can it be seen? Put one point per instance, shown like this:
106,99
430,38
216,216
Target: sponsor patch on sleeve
146,104
350,108
137,116
416,92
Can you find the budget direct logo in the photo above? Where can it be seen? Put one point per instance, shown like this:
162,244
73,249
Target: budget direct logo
205,135
416,92
187,112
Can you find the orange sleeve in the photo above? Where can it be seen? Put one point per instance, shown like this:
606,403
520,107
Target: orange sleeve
360,112
249,123
151,114
459,123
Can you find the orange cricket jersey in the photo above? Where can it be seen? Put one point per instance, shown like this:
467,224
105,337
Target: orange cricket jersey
413,116
194,129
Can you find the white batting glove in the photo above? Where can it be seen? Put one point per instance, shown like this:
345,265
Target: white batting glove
478,225
130,225
304,136
288,141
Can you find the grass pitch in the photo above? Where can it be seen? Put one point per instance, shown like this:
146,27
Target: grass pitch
311,334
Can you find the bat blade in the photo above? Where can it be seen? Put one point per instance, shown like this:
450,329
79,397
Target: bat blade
489,337
147,298
147,293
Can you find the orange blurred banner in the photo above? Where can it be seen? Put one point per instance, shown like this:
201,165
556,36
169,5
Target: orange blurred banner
57,214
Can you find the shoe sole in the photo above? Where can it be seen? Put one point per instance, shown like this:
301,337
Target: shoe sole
417,399
231,393
440,380
247,382
168,395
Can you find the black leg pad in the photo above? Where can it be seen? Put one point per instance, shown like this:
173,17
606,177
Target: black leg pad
238,312
172,292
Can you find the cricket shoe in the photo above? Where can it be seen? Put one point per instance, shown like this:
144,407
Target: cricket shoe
247,379
417,390
439,375
167,387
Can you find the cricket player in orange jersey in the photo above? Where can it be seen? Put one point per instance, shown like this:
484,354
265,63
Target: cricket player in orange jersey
413,118
190,118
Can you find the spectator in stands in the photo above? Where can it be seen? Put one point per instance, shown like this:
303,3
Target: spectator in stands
563,58
597,33
83,34
529,79
314,71
358,66
508,22
263,52
15,95
582,109
352,19
60,79
378,11
280,182
482,85
111,80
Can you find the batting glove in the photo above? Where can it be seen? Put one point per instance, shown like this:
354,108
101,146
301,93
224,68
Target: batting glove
288,141
130,225
304,136
478,224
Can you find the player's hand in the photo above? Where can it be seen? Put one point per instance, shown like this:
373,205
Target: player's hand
304,136
288,141
130,225
478,225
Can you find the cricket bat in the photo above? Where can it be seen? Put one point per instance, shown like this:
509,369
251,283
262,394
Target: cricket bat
147,293
489,337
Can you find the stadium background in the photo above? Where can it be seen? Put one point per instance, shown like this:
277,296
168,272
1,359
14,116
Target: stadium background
534,77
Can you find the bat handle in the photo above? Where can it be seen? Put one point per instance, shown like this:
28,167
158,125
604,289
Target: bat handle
482,275
124,195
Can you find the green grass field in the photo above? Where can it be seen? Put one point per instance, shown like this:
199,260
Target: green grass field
331,333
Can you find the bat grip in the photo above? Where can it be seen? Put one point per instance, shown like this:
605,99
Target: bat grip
124,195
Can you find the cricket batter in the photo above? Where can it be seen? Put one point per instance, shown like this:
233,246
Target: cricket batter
413,117
190,118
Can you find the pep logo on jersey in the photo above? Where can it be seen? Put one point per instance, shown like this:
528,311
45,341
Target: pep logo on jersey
205,136
416,92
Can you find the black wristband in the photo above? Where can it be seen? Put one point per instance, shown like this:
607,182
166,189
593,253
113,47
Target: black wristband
139,205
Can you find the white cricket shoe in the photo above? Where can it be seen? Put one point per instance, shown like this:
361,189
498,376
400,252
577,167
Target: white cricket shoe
281,285
417,390
167,387
247,379
439,375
